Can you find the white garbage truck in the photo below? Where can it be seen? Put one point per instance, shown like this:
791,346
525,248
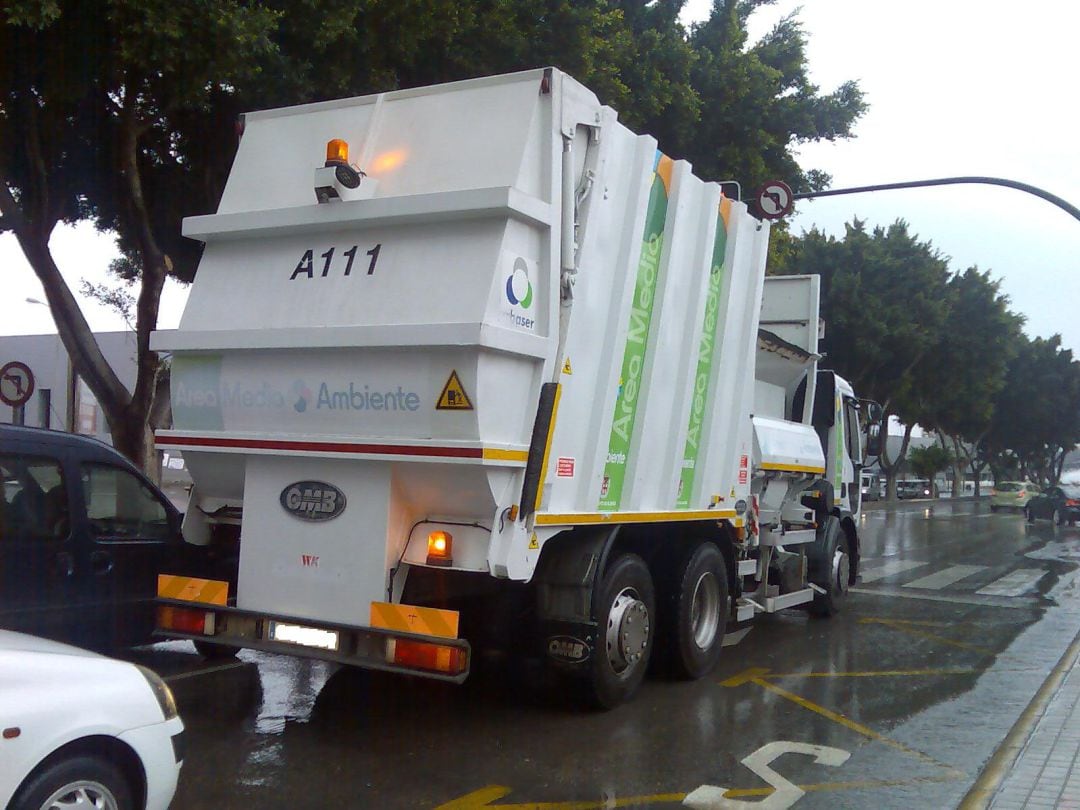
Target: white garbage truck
475,363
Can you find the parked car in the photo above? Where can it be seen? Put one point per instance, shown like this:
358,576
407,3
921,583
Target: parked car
1060,504
83,536
1012,494
869,486
83,730
913,488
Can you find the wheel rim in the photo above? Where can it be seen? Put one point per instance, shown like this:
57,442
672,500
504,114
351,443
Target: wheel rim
705,610
841,566
82,795
627,631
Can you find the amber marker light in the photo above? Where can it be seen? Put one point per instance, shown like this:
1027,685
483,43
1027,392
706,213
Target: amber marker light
440,547
337,151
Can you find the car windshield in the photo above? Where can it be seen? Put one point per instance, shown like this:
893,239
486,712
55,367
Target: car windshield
1008,486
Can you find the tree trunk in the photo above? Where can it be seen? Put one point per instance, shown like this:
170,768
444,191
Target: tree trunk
892,467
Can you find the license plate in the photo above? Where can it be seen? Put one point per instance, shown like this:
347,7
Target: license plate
304,636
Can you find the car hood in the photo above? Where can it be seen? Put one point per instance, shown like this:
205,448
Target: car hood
12,641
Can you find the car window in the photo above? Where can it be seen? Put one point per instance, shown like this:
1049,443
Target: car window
34,501
1007,486
120,506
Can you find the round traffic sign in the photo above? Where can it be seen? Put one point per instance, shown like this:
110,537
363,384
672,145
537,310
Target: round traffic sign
775,199
16,383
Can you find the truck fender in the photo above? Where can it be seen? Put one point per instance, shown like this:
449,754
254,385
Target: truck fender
566,580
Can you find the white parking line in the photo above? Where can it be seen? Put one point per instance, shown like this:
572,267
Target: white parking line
945,577
890,568
1017,583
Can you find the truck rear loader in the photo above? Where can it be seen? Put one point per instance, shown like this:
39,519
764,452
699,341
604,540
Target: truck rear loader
474,364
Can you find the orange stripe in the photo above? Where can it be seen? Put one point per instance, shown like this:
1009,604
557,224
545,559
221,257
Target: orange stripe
192,589
412,619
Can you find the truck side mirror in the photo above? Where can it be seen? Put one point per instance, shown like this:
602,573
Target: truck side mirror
875,434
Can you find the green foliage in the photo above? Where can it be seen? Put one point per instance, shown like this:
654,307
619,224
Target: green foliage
926,462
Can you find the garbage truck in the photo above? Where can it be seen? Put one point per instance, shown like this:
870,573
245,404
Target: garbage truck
475,364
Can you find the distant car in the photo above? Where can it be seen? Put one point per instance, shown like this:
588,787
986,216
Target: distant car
1060,504
83,536
83,730
869,487
918,488
1012,494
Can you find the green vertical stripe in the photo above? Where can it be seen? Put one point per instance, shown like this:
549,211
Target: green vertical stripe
637,341
703,377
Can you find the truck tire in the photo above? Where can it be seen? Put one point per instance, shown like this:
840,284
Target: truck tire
625,613
830,567
692,614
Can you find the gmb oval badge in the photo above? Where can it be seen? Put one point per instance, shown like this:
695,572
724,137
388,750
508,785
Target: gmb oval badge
313,500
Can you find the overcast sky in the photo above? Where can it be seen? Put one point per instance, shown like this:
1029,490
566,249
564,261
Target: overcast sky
955,87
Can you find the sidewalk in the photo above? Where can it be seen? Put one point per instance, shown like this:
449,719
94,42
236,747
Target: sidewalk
1046,773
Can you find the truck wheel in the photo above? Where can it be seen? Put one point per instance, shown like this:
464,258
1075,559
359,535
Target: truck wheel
693,614
625,613
830,567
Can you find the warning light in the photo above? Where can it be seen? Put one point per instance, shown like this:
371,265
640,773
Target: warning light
440,546
387,161
337,151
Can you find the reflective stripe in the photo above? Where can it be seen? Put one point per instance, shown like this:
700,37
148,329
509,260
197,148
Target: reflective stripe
424,621
192,589
550,519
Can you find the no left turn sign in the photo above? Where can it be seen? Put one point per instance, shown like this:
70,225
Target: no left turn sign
774,199
16,383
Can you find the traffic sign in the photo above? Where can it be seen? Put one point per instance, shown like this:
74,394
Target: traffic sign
16,383
775,199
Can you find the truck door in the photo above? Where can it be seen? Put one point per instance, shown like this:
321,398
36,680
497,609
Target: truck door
39,585
131,539
853,452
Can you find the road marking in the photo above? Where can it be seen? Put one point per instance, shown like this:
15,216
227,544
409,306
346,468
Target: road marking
976,601
757,675
945,577
890,568
1017,583
911,629
881,673
785,793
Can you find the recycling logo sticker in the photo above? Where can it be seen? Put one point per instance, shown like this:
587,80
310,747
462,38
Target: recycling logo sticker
519,294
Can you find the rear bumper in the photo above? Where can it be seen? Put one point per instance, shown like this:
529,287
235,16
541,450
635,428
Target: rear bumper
365,647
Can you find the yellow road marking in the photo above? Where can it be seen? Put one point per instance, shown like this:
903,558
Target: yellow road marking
910,629
758,676
483,797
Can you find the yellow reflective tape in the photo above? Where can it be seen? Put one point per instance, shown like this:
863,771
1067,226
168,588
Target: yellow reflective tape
495,454
424,621
572,518
768,465
192,589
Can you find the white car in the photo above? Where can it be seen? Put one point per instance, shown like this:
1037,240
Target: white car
79,729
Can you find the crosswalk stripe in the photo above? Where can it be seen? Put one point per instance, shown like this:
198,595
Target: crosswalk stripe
945,577
1017,583
890,568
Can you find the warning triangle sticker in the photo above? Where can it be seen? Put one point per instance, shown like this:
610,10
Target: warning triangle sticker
534,543
453,396
566,367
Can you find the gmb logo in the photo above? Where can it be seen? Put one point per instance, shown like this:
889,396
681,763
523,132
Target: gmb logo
519,291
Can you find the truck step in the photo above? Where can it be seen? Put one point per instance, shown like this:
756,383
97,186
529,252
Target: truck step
788,538
744,609
775,603
746,568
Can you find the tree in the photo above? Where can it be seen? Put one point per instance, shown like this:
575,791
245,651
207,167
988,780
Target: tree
963,372
123,114
927,462
86,133
1036,418
884,300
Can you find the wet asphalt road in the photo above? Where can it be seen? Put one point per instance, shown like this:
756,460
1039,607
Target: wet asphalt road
898,702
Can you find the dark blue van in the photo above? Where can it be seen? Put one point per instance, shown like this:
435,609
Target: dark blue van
83,536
